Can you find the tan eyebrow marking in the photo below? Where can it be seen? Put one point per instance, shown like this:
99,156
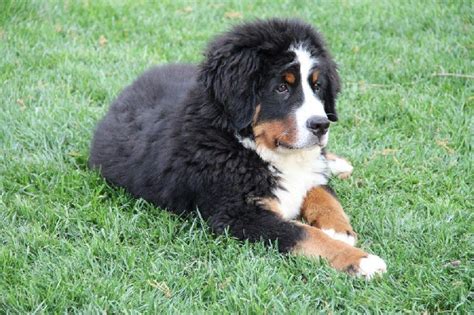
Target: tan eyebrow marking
315,76
289,77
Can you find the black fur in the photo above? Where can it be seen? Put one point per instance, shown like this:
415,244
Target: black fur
170,137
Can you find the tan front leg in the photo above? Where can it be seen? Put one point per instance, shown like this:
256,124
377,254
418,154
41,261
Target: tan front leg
321,209
339,254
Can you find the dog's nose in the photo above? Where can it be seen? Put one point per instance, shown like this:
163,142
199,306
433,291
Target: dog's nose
319,125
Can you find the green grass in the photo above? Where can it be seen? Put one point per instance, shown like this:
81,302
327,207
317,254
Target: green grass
71,243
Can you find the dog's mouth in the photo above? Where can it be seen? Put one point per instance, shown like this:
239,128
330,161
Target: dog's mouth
315,142
295,139
281,144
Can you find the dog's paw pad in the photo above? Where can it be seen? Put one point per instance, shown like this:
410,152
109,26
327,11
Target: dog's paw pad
346,237
371,266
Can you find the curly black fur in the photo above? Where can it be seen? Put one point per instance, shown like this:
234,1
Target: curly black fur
170,137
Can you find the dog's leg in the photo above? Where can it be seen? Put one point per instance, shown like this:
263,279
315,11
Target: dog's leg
321,209
338,166
339,254
299,238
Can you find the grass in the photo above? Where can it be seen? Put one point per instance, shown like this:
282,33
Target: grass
71,243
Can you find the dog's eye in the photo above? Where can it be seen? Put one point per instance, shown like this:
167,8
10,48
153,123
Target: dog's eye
282,88
317,86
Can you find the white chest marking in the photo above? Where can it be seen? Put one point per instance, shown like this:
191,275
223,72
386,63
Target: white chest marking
299,171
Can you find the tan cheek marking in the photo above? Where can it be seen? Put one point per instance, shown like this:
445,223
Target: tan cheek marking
265,134
269,133
339,254
315,76
289,77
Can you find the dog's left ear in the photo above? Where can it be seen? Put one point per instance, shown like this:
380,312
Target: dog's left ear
333,88
230,76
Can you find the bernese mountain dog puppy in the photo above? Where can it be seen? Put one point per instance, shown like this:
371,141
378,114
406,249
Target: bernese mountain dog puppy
240,138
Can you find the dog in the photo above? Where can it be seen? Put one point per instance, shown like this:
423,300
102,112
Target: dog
241,138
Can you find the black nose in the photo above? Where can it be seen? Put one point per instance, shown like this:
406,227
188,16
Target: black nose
319,125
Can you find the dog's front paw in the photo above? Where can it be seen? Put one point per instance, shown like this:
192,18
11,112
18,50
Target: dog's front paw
338,166
358,263
371,266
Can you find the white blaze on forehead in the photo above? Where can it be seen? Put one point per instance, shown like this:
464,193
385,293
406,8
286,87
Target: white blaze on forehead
312,105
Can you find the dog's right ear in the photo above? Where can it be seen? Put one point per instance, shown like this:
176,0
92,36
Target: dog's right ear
230,75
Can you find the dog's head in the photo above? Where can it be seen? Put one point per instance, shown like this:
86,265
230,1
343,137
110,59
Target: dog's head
275,78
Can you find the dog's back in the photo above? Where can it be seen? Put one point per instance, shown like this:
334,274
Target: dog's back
136,120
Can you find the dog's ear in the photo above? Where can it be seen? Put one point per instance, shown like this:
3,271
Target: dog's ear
333,88
230,75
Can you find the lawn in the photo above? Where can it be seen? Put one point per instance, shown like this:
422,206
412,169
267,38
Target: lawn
72,243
